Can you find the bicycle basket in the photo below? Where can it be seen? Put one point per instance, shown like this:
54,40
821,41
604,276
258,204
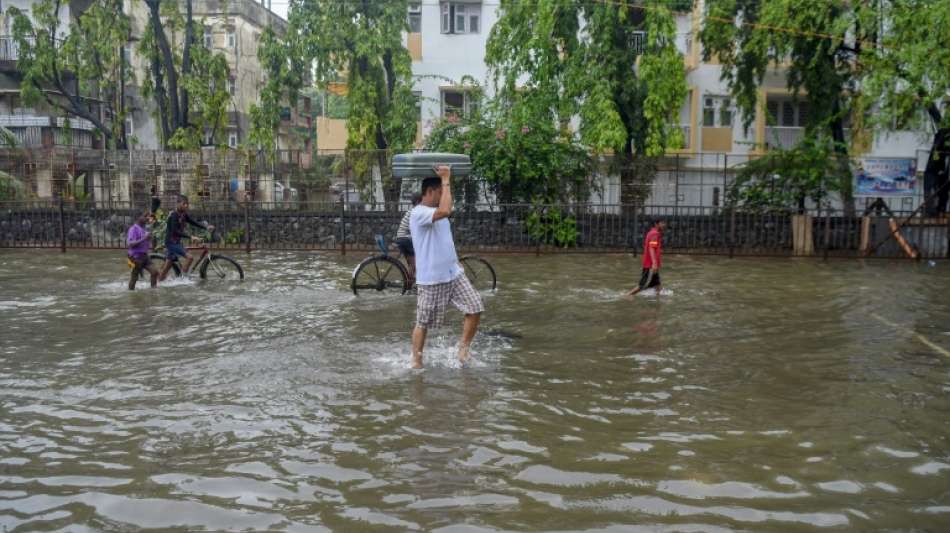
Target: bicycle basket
381,243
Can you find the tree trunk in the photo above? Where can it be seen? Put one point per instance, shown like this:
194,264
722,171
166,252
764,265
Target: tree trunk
842,164
635,175
936,174
186,62
161,99
167,63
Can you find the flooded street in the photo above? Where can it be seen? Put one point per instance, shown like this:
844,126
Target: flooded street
776,394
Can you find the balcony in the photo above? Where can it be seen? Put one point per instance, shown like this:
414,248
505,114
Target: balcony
782,137
685,130
9,49
27,121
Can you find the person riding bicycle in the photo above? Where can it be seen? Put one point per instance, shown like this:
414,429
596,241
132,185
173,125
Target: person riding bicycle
404,238
175,231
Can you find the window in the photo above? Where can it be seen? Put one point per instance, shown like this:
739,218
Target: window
415,18
232,40
787,113
208,38
233,140
457,103
460,17
717,112
638,41
127,55
231,85
129,127
417,96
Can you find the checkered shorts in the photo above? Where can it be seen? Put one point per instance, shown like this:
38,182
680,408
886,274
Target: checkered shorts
433,300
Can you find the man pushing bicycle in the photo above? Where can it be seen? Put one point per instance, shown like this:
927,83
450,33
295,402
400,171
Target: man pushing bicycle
175,225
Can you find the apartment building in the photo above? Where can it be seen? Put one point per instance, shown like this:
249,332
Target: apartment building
36,125
447,42
233,28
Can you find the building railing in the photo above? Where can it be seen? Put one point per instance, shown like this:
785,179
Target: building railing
685,129
9,48
783,137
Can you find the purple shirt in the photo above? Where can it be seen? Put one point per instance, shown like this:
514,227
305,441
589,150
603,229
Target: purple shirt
136,233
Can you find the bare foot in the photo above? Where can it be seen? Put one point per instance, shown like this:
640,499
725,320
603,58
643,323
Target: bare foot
417,362
464,355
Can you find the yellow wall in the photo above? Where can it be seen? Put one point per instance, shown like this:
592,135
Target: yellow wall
331,134
717,139
414,44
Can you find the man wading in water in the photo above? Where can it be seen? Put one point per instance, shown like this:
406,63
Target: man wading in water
440,279
652,258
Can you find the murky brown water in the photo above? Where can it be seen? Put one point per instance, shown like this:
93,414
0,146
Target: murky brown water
755,395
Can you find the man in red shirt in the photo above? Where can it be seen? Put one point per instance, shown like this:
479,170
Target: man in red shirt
652,258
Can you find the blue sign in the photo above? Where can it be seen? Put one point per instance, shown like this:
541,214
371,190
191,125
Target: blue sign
885,177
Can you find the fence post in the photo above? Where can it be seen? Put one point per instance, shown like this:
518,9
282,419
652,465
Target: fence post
247,226
62,226
827,232
343,201
732,230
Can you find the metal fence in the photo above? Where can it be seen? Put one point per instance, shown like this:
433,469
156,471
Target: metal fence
489,228
291,177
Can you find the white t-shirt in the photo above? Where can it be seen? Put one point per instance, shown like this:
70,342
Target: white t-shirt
436,261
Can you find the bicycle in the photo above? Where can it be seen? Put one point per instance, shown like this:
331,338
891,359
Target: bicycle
208,265
386,274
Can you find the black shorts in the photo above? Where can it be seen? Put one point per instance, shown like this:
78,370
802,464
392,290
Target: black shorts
405,246
646,282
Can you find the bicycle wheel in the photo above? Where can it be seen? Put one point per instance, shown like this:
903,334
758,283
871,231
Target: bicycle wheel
158,261
379,275
479,272
221,267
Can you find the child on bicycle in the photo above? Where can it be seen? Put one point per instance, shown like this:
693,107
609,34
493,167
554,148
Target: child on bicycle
175,230
404,238
140,241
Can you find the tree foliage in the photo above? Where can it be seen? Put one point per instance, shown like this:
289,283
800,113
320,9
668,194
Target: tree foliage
77,67
906,80
783,178
359,42
187,81
286,70
518,151
815,43
522,155
582,59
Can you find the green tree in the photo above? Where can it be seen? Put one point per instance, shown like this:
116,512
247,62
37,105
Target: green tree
518,151
77,68
286,69
360,41
906,80
783,178
522,155
613,65
819,41
187,81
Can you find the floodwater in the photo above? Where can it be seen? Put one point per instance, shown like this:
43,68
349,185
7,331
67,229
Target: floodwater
777,395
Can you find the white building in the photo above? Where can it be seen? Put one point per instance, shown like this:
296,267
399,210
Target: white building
447,43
